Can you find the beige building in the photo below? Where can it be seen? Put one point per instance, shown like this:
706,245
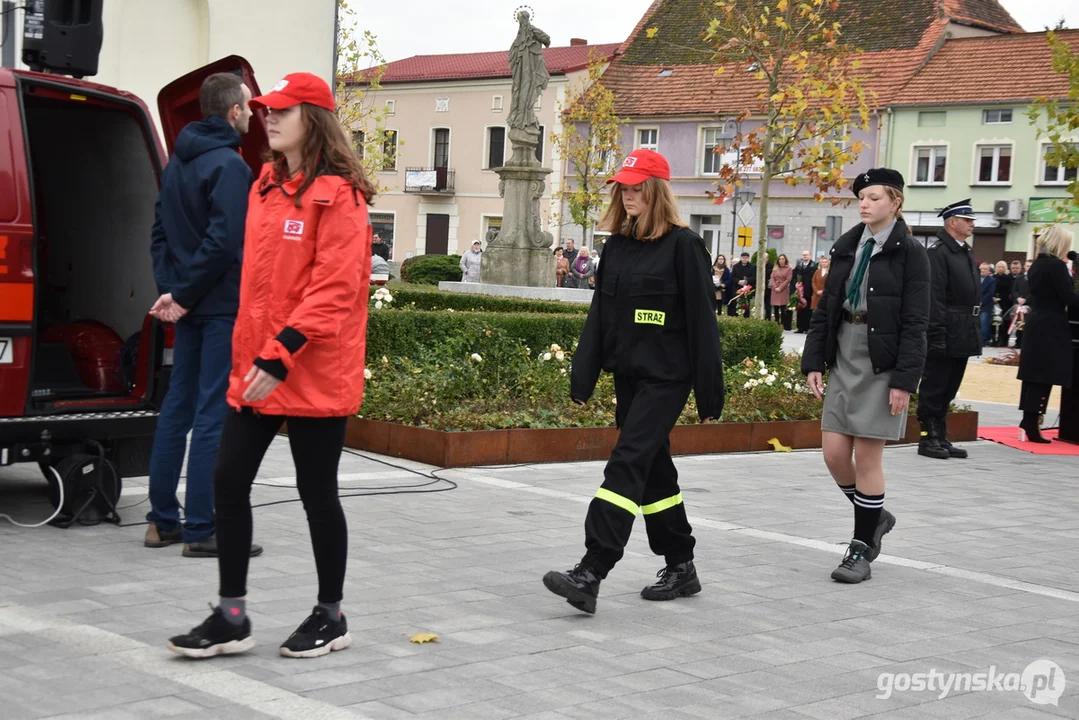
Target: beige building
448,113
149,43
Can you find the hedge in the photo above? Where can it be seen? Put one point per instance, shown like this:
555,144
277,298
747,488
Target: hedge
431,269
424,297
407,333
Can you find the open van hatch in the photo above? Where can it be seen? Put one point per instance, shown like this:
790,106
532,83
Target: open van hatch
94,166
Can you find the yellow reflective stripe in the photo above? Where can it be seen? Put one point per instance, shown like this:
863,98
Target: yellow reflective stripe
616,499
664,504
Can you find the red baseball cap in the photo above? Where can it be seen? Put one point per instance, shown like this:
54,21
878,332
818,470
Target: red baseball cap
640,165
297,88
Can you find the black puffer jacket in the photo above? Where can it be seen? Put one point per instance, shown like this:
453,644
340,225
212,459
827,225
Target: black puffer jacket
653,316
955,290
898,299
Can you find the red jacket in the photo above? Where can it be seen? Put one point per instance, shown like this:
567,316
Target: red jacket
303,297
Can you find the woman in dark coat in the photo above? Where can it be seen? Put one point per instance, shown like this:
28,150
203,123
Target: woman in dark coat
1047,356
869,331
721,280
1005,287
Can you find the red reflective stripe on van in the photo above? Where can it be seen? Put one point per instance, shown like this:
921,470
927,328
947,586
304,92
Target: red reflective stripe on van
16,302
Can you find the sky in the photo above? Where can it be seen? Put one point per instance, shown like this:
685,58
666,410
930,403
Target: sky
435,27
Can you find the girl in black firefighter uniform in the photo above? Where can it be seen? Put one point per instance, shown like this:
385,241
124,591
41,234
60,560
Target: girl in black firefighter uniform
869,331
652,324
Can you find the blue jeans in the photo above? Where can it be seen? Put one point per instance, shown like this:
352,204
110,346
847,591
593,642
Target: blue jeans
195,403
987,324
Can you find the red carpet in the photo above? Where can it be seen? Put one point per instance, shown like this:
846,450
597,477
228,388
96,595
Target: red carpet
1010,436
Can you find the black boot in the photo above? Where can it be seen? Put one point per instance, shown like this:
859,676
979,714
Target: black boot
884,526
580,586
942,438
855,565
930,445
674,581
1030,430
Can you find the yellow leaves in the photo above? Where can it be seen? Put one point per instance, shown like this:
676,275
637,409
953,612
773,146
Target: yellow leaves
420,638
651,32
778,446
781,6
778,97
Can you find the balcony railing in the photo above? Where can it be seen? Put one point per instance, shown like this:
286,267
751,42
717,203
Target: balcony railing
437,181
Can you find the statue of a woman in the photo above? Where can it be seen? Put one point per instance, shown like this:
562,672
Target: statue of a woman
529,73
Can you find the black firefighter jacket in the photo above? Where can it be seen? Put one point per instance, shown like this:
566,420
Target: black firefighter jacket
955,290
653,317
898,307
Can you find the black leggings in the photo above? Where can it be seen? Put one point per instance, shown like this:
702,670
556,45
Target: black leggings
316,445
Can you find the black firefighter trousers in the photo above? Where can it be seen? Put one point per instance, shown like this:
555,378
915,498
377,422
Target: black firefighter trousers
940,383
640,477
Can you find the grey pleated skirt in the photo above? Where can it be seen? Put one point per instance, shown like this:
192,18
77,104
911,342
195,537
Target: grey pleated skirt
856,400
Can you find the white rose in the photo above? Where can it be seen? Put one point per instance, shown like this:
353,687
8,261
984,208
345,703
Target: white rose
560,356
563,371
748,385
546,356
764,370
378,304
476,357
366,374
388,298
770,379
788,386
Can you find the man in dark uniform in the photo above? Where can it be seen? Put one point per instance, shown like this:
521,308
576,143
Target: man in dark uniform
803,273
743,273
953,335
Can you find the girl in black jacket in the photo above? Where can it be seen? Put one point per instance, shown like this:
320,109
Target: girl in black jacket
869,330
1047,356
652,325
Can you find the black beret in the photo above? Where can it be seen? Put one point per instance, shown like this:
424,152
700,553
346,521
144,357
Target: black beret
878,176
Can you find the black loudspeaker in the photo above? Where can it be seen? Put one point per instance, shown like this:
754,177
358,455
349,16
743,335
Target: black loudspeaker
63,36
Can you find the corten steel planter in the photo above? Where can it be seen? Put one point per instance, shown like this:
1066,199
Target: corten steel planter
536,445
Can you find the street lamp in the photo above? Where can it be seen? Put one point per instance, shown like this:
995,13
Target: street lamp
731,130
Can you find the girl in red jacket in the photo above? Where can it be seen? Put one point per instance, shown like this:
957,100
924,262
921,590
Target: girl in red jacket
298,355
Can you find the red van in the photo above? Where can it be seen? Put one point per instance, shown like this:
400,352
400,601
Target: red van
83,367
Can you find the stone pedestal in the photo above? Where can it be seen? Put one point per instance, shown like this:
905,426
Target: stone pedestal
521,252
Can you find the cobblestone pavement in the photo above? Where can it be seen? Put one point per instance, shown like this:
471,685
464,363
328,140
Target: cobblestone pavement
975,578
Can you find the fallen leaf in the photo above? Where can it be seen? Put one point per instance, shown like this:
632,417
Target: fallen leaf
779,447
424,638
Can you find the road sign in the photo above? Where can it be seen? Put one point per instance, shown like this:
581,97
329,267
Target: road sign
746,214
745,237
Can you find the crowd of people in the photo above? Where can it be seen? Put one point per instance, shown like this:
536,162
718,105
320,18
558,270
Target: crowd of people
266,279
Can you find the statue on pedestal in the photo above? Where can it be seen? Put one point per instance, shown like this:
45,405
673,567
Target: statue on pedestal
520,254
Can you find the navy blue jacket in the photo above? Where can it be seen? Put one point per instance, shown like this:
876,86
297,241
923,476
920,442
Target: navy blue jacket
198,233
989,291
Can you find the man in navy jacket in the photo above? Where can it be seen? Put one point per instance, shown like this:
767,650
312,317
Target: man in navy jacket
197,244
989,290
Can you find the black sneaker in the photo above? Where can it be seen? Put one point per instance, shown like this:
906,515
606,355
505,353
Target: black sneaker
208,548
855,566
580,586
675,581
884,526
318,635
215,636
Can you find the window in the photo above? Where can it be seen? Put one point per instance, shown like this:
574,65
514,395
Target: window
648,138
496,103
382,224
357,143
441,157
491,223
930,164
996,117
994,164
496,147
1057,174
539,147
932,119
821,245
389,151
712,141
391,107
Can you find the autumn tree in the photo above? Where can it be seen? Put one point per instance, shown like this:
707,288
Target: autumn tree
590,142
811,99
1057,120
358,74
